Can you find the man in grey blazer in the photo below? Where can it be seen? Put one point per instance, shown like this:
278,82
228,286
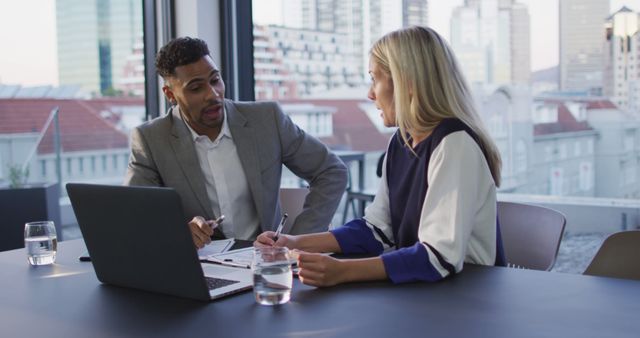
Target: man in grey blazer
225,157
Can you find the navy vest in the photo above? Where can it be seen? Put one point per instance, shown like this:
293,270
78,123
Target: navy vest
407,179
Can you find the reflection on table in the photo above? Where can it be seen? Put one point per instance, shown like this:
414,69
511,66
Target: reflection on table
66,300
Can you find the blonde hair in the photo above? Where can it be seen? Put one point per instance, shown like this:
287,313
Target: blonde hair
428,87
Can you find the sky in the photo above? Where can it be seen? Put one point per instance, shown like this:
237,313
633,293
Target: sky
28,33
28,53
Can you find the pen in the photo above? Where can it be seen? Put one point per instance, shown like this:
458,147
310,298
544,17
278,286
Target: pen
228,262
218,221
280,226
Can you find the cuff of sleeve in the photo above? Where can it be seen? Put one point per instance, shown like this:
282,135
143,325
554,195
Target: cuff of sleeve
356,237
410,264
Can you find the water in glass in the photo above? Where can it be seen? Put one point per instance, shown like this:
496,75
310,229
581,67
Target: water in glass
272,277
272,284
41,242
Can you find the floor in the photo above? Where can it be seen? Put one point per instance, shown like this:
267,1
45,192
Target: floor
576,251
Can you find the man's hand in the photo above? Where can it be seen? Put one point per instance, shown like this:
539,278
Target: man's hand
201,231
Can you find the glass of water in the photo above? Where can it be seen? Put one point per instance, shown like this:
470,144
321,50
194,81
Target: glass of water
41,242
272,276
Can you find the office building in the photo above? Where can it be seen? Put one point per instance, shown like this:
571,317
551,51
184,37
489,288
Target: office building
94,39
620,82
584,147
415,13
272,80
506,113
491,41
363,21
617,151
581,44
563,158
292,63
520,42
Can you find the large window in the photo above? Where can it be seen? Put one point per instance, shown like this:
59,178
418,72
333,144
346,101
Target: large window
83,60
72,85
542,74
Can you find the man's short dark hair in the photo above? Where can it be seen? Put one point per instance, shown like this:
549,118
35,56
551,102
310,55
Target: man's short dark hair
179,52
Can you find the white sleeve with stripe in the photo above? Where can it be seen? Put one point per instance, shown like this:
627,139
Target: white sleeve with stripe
460,201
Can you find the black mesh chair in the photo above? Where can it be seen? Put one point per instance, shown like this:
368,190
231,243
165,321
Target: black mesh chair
619,257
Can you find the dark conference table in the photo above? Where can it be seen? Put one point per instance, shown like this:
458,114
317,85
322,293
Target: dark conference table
66,300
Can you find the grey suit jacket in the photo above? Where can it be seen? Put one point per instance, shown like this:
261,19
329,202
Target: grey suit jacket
163,154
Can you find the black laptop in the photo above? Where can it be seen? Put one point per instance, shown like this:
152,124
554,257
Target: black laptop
138,237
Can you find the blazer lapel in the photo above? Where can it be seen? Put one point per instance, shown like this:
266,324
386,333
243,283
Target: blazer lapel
244,139
185,152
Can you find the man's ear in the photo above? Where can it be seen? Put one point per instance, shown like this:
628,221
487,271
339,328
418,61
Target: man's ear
168,93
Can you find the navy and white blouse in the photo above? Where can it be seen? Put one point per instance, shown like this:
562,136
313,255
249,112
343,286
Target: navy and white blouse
436,209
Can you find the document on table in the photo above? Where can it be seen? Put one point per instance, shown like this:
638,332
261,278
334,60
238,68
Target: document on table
215,247
237,258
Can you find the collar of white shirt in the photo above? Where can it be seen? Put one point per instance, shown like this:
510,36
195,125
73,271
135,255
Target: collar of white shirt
224,132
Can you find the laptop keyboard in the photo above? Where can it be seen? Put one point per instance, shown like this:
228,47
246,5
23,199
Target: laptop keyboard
215,283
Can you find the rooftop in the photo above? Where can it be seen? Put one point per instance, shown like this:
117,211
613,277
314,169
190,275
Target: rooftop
82,126
566,123
352,127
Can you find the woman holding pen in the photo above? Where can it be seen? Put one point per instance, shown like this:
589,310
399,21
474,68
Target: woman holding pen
435,208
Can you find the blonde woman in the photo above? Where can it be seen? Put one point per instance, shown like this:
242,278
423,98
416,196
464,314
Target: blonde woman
435,208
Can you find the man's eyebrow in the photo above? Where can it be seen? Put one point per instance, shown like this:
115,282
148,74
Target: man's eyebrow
199,79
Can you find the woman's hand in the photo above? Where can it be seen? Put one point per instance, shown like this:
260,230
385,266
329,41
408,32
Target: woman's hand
320,270
267,239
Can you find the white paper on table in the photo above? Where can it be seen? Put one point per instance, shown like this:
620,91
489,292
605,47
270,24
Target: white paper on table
216,247
236,258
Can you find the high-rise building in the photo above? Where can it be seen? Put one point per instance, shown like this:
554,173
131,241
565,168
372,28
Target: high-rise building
520,47
491,41
363,21
291,62
620,77
384,16
415,13
95,38
581,36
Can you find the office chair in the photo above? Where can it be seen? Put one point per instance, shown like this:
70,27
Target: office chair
357,199
619,256
292,202
531,235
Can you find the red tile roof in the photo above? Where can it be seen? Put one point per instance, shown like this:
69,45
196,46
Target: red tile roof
566,123
602,104
352,128
81,126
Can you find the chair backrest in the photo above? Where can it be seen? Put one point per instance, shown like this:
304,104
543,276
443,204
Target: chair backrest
530,235
619,256
292,202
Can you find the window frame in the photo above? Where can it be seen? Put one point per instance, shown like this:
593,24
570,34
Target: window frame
236,36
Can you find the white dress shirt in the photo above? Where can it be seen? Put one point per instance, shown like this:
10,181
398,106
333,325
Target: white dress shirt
226,183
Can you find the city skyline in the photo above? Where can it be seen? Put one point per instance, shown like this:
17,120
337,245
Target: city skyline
35,47
543,13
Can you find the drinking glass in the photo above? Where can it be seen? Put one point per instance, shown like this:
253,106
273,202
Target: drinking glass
272,277
41,242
